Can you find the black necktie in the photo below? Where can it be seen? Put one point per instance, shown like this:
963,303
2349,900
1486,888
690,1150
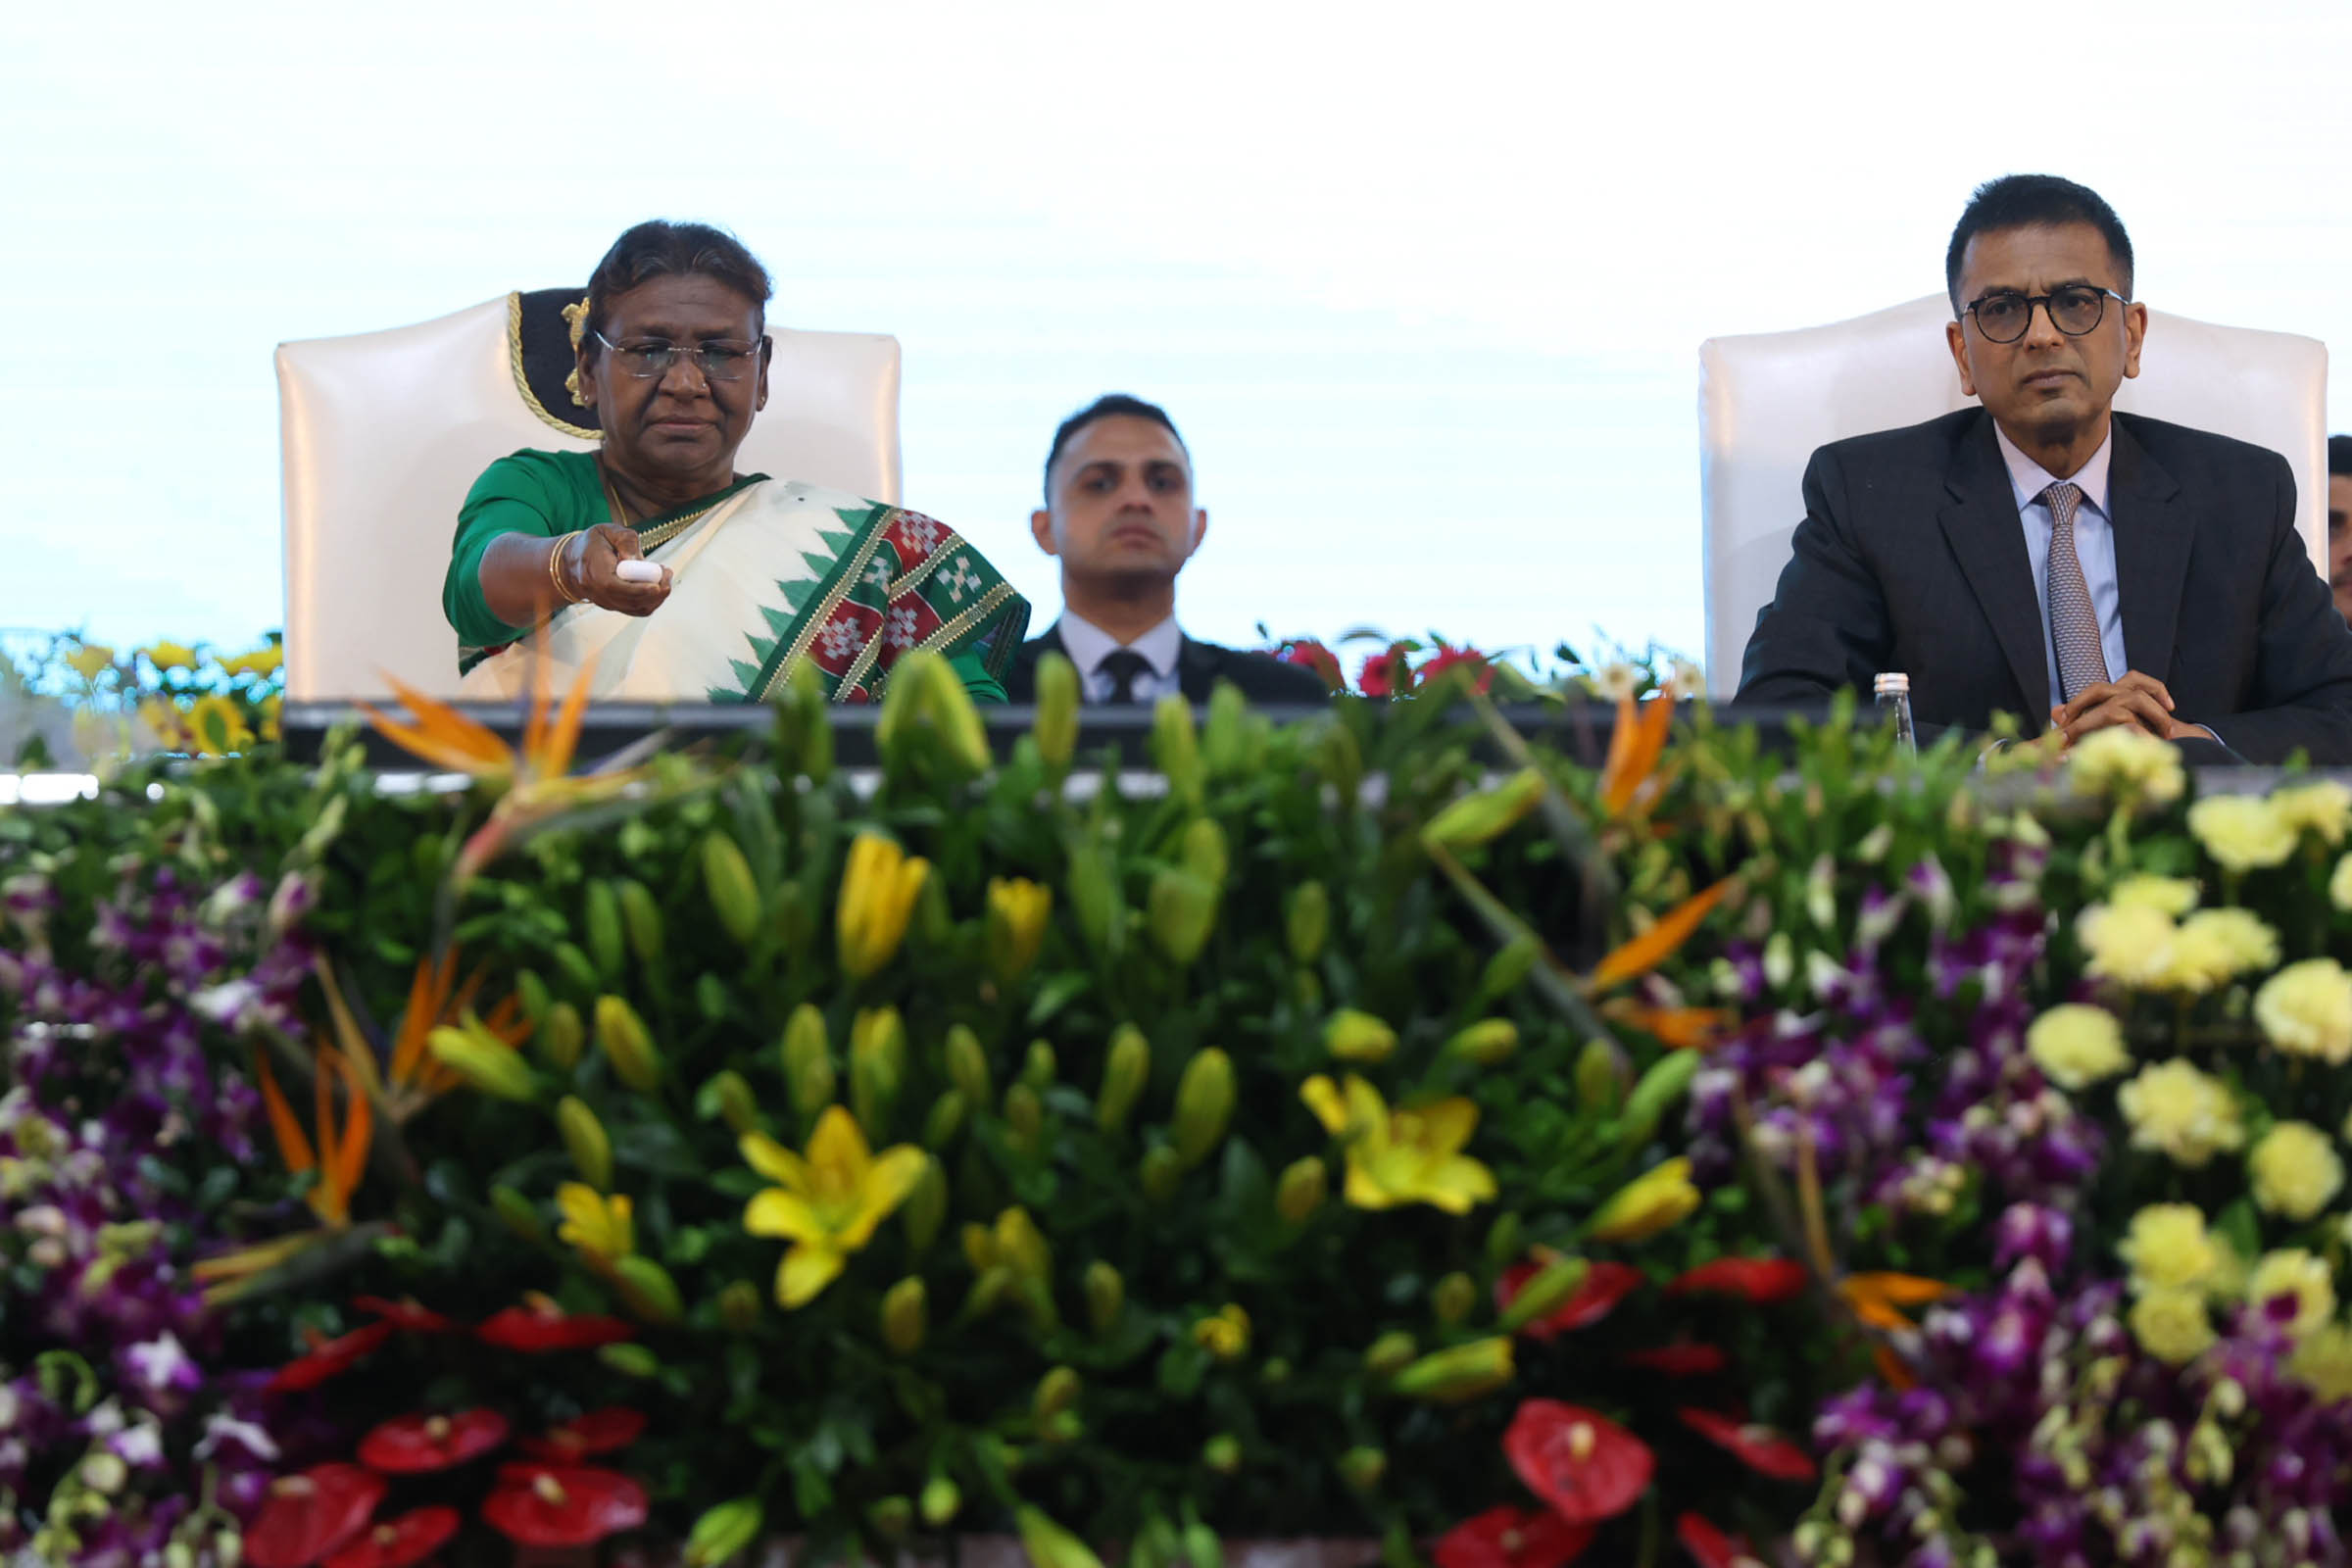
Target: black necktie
1125,667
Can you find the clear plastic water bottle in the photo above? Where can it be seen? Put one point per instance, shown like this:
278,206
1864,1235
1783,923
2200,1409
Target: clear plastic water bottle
1893,688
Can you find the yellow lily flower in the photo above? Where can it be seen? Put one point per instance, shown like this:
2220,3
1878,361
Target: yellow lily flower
827,1203
878,891
601,1227
90,659
263,661
1401,1157
170,655
1017,911
1654,1201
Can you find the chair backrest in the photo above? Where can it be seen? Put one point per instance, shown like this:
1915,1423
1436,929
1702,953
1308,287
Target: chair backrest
1767,400
385,433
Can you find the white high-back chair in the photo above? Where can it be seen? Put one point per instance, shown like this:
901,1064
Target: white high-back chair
385,433
1767,400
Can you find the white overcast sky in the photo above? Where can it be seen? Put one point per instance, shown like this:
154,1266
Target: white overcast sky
1423,284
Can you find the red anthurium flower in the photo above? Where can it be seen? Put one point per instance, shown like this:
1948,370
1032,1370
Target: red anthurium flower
1685,1358
411,1444
1512,1537
1711,1547
1760,1448
306,1516
539,1324
1588,1467
329,1358
1317,657
1388,675
1604,1285
405,1313
615,1426
1754,1279
563,1504
1449,656
400,1542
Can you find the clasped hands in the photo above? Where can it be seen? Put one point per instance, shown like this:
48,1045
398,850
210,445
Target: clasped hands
588,562
2136,698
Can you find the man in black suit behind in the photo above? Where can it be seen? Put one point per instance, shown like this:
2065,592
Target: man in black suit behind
2046,556
1119,516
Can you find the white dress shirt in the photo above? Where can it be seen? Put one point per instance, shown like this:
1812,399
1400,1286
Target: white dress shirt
2094,546
1088,645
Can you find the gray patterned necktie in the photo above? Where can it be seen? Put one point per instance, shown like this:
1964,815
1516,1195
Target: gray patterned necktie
2073,625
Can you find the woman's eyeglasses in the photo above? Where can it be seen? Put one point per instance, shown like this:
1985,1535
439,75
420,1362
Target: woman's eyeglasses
650,358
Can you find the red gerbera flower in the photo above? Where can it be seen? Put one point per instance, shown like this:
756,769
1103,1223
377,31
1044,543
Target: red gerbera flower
412,1445
1711,1547
1388,675
306,1516
1760,1448
329,1358
1754,1279
617,1426
539,1324
405,1313
1685,1358
1604,1285
1588,1467
1447,657
562,1505
1317,657
400,1542
1512,1537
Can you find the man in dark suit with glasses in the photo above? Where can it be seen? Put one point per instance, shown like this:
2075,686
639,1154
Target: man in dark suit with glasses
2046,556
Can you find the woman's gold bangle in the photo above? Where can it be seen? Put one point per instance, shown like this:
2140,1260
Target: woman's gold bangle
555,573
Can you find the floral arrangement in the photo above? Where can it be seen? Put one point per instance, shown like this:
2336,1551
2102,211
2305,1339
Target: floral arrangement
167,696
1400,667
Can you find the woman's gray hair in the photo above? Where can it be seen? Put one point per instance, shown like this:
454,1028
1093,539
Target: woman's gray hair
658,248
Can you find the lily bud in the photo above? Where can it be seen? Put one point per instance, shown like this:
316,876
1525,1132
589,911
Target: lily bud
1017,911
1203,852
1477,820
1306,922
1668,1078
585,1142
905,1315
1161,1169
878,890
641,918
531,994
1359,1037
725,1095
1602,1074
727,879
1106,1296
1057,1391
1363,1468
648,1289
1048,1546
1655,1200
945,1120
600,915
628,1045
804,723
518,1215
1508,969
1341,762
1182,912
1039,1065
1204,1098
891,1517
485,1063
1222,1453
927,1206
1391,1354
723,1532
967,1068
1176,748
1487,1043
1454,1298
710,998
1024,1120
1057,725
1201,1547
1094,896
1544,1294
942,1499
739,1306
1503,1240
1461,1372
630,1360
878,1066
807,1060
561,1036
1225,738
1302,1189
578,971
1126,1069
1022,1246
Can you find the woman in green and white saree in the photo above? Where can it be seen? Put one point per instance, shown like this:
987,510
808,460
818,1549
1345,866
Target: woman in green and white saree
679,578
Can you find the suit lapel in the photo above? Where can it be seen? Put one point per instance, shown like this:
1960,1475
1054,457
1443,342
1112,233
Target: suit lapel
1196,671
1980,523
2152,538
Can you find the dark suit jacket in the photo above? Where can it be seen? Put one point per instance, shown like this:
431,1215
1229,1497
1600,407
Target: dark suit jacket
1911,558
1260,677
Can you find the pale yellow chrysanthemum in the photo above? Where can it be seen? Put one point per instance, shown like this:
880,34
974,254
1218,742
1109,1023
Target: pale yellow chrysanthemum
2181,1111
2324,1362
2241,832
2322,807
2122,760
2076,1045
2305,1009
2130,944
2171,895
2339,886
2215,945
2171,1324
2294,1170
2293,1272
2169,1247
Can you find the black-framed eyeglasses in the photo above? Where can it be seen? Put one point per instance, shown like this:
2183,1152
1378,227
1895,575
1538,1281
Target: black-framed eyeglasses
2074,309
717,358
